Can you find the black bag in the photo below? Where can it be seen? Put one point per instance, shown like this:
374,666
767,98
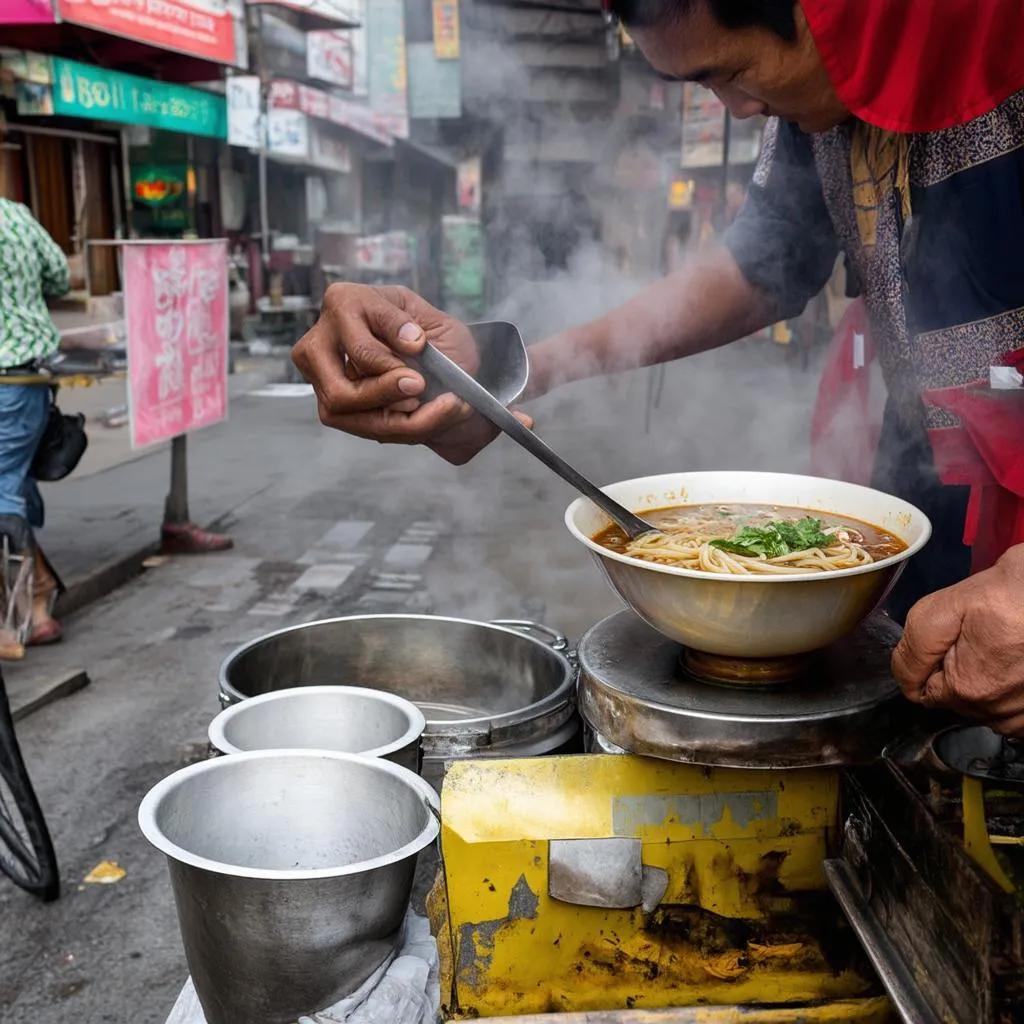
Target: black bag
61,447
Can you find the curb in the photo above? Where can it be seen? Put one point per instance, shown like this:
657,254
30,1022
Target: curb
99,584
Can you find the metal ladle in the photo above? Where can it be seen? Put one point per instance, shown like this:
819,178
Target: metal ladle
436,364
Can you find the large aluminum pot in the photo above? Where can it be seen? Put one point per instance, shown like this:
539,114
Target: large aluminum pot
486,689
751,616
351,719
292,872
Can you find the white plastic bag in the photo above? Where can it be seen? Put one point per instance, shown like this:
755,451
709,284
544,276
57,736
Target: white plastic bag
404,990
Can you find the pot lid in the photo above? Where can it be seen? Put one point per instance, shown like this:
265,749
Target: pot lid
636,691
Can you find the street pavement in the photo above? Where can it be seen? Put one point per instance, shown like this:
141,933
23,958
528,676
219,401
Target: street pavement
323,524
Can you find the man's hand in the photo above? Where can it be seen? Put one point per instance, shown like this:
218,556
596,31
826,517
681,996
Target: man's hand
963,647
353,359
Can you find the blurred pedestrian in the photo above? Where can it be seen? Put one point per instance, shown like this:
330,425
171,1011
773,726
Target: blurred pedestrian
32,268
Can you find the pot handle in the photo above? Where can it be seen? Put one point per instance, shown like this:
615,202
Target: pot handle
555,640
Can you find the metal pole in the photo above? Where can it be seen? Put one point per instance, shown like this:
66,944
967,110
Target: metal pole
726,140
176,506
261,58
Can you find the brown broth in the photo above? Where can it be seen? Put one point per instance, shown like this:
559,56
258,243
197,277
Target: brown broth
878,543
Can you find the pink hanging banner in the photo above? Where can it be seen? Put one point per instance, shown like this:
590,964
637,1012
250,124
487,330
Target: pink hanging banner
176,313
26,12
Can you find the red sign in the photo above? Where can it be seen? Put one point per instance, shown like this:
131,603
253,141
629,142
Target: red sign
186,26
285,95
26,12
176,314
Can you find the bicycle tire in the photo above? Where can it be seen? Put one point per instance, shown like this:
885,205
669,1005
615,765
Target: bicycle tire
27,856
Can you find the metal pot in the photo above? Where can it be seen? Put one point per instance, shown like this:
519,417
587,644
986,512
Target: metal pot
486,689
292,872
350,719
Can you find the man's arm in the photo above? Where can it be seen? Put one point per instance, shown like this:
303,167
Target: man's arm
777,255
701,306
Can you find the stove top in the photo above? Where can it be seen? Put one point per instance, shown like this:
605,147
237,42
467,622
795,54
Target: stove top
945,936
645,694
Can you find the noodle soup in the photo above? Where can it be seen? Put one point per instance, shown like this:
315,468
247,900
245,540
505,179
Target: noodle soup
747,539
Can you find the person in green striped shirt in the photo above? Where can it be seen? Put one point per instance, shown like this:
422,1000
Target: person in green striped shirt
32,268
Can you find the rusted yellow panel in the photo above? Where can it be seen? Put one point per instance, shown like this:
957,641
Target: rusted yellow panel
738,848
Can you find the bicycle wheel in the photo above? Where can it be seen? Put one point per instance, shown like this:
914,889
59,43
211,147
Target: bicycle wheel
26,850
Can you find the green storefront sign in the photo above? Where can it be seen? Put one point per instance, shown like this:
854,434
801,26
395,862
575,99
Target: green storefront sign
81,90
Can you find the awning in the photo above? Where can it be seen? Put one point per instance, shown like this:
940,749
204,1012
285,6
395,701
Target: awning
313,15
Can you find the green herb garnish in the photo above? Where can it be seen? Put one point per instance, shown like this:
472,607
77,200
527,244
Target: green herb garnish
776,539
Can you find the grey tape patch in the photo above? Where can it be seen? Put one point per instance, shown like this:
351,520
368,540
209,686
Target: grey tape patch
632,814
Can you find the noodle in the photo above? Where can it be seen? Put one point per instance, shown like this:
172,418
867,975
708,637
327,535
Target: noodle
721,540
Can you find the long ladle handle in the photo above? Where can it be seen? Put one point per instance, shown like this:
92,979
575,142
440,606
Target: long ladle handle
438,365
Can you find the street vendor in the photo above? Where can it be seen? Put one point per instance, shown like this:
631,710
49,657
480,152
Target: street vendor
896,137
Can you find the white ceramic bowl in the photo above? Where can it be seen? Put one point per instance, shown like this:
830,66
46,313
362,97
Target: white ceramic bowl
751,616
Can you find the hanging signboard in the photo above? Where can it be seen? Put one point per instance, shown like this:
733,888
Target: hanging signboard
26,12
327,152
329,58
81,90
285,95
447,37
176,315
200,28
469,186
703,127
287,133
244,114
387,69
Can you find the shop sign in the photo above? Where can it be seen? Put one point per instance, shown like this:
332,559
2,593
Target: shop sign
244,113
288,133
388,73
447,38
81,90
329,58
384,254
26,66
200,28
469,186
356,117
329,153
157,186
435,86
176,315
26,12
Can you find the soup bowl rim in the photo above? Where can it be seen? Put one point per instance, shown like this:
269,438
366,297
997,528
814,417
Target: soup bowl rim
149,811
899,505
415,719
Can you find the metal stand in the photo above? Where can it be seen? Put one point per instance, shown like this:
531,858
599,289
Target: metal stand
179,535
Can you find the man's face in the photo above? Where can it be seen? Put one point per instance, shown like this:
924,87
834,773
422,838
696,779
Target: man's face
752,71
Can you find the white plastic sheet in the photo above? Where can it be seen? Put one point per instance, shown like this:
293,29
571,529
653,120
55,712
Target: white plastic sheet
405,990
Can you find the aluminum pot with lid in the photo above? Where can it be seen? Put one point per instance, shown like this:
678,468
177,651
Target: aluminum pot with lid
486,689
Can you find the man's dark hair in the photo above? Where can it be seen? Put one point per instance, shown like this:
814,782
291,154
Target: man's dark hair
776,15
